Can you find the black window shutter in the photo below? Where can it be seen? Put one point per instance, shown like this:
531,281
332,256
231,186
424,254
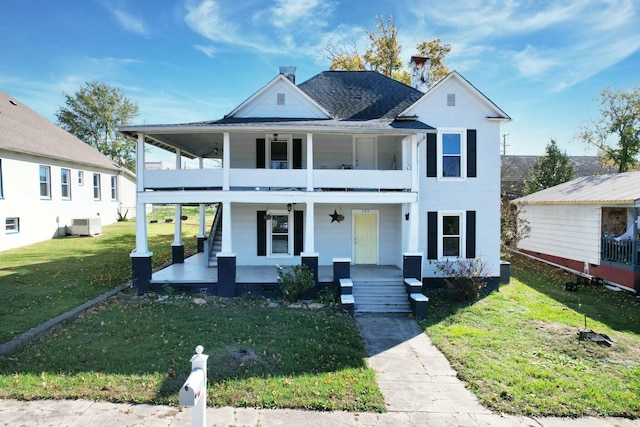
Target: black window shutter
471,153
471,234
432,155
432,235
298,232
260,153
297,153
261,226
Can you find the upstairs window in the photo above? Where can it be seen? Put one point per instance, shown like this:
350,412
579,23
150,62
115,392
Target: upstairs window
114,187
45,182
96,186
451,155
279,153
65,183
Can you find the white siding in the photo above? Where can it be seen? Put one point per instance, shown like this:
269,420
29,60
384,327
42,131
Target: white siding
43,219
265,104
567,231
480,194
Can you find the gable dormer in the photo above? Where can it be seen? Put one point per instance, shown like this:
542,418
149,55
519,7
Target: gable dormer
280,98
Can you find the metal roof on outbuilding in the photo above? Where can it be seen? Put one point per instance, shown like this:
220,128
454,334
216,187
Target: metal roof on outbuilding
621,188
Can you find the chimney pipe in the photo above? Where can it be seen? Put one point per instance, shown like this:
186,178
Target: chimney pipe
289,72
420,73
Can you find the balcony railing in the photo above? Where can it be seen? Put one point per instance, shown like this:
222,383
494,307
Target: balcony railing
623,251
278,179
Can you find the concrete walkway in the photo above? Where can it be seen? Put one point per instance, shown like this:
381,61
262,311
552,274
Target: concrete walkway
419,386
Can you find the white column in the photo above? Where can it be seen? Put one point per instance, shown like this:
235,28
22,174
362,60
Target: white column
406,160
140,163
414,163
310,163
201,219
227,246
309,231
177,233
142,249
414,222
226,162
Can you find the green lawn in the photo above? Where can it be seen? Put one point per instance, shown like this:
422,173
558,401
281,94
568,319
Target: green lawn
518,349
41,281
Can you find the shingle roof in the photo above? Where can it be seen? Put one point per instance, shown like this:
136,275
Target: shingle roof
25,131
621,188
360,95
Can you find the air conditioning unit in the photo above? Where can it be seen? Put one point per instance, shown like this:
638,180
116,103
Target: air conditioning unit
86,226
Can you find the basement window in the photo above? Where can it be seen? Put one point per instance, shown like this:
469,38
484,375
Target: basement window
12,225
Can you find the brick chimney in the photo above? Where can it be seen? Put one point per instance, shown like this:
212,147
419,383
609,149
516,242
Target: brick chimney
289,72
420,73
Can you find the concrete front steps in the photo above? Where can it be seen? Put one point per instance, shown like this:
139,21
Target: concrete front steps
380,297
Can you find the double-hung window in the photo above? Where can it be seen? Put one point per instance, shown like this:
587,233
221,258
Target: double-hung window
452,161
114,187
45,182
451,235
279,153
96,186
65,184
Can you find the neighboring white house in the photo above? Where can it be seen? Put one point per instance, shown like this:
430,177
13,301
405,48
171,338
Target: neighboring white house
48,178
589,225
348,166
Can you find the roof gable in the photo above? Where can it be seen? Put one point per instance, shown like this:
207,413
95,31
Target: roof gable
455,80
25,131
360,95
279,98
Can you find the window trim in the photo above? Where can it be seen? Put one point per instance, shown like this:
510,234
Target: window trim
114,188
16,227
47,181
64,184
281,138
290,234
462,244
80,178
97,187
1,183
462,132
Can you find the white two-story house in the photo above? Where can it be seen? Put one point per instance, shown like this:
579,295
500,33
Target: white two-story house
345,168
53,184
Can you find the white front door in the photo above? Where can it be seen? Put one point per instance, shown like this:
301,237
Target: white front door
365,237
365,154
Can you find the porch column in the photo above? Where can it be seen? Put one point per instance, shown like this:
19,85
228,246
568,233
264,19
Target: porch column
412,258
414,222
309,165
140,256
177,247
309,257
636,248
226,258
201,237
414,163
226,159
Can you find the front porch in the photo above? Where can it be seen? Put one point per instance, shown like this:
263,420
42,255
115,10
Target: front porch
193,273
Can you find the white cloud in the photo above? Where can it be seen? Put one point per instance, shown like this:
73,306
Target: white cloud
208,50
130,23
303,14
532,63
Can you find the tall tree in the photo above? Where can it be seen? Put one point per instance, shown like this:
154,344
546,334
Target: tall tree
383,54
553,168
93,113
616,133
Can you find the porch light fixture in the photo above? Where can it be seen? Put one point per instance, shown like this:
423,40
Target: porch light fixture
275,136
288,207
406,216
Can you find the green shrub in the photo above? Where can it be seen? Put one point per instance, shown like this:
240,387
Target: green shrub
294,281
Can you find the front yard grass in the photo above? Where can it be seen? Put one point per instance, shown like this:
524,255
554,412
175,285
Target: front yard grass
518,349
43,280
137,349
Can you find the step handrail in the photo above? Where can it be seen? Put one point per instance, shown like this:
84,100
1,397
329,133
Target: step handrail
212,233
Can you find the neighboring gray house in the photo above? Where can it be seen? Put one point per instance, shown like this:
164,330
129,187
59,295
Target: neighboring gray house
51,180
589,225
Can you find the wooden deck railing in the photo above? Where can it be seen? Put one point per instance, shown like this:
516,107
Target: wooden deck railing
624,251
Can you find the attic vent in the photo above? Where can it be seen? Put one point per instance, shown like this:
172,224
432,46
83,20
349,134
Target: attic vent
281,99
451,100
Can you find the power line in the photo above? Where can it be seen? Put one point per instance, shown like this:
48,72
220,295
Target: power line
504,144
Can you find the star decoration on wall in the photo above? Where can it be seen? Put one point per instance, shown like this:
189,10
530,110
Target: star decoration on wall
335,216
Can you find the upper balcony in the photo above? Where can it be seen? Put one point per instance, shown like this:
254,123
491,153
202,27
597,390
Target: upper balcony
276,162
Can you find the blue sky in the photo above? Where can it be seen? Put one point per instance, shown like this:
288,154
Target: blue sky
543,62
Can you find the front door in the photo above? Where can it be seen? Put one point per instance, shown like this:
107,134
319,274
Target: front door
365,237
365,154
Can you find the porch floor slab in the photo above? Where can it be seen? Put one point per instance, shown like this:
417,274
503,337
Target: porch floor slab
193,270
